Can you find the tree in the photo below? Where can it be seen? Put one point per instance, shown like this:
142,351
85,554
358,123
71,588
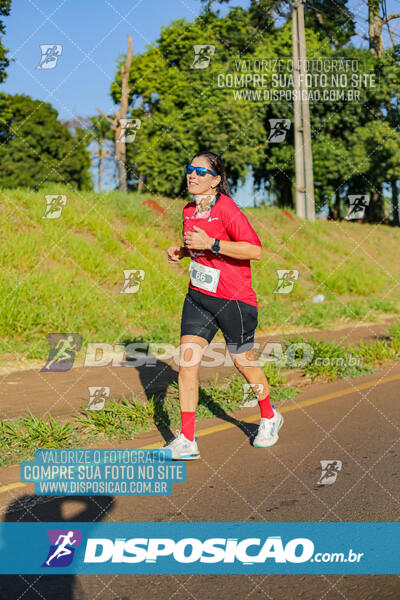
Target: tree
37,148
119,123
181,111
332,18
375,26
5,7
101,133
334,148
184,109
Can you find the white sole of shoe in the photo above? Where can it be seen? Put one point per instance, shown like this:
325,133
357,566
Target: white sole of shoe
188,457
274,440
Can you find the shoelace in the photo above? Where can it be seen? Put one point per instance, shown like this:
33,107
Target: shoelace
178,437
267,422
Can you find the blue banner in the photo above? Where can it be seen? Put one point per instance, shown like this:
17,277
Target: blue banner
204,548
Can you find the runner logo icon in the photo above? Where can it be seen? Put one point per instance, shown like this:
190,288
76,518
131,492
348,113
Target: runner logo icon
62,547
62,351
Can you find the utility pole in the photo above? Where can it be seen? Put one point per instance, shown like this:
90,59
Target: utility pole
305,207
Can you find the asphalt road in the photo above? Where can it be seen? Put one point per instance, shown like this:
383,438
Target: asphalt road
354,421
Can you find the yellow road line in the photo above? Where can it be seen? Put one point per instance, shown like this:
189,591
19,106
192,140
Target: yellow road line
11,486
252,418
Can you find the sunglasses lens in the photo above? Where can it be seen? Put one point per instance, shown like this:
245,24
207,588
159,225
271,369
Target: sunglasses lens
201,171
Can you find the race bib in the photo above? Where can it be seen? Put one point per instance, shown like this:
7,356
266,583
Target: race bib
203,277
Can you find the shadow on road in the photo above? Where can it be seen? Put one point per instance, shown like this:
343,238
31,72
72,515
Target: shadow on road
47,509
249,429
156,376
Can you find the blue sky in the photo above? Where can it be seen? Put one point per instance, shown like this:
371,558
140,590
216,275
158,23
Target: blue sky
93,33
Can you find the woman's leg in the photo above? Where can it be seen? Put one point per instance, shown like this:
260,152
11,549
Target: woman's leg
252,374
192,348
271,420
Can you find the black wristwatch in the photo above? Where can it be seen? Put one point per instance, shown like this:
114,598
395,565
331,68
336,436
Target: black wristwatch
215,247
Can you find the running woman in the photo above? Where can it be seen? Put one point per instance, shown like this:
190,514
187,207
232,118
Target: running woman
221,243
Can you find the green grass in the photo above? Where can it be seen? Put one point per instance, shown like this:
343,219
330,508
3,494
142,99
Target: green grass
66,274
19,438
119,420
331,360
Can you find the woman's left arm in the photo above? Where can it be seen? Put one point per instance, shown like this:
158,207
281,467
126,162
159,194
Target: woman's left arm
243,250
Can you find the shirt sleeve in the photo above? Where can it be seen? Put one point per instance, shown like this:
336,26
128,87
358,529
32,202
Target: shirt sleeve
238,226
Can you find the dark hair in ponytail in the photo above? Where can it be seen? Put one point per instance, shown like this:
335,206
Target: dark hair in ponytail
216,165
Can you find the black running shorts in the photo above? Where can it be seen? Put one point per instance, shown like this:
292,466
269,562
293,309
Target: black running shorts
203,315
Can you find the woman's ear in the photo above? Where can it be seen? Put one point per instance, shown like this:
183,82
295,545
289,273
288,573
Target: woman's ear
218,182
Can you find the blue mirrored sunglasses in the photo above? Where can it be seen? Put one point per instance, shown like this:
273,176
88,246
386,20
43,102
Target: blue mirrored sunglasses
201,171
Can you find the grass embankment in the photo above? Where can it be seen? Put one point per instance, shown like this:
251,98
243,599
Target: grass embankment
66,274
125,419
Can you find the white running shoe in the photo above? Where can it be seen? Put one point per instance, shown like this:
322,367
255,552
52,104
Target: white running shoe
267,434
182,448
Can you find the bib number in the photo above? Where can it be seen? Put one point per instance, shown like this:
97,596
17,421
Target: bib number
205,278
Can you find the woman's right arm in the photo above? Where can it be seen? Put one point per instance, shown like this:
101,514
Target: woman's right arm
176,253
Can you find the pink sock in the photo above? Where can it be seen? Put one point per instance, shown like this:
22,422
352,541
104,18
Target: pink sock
188,423
267,412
